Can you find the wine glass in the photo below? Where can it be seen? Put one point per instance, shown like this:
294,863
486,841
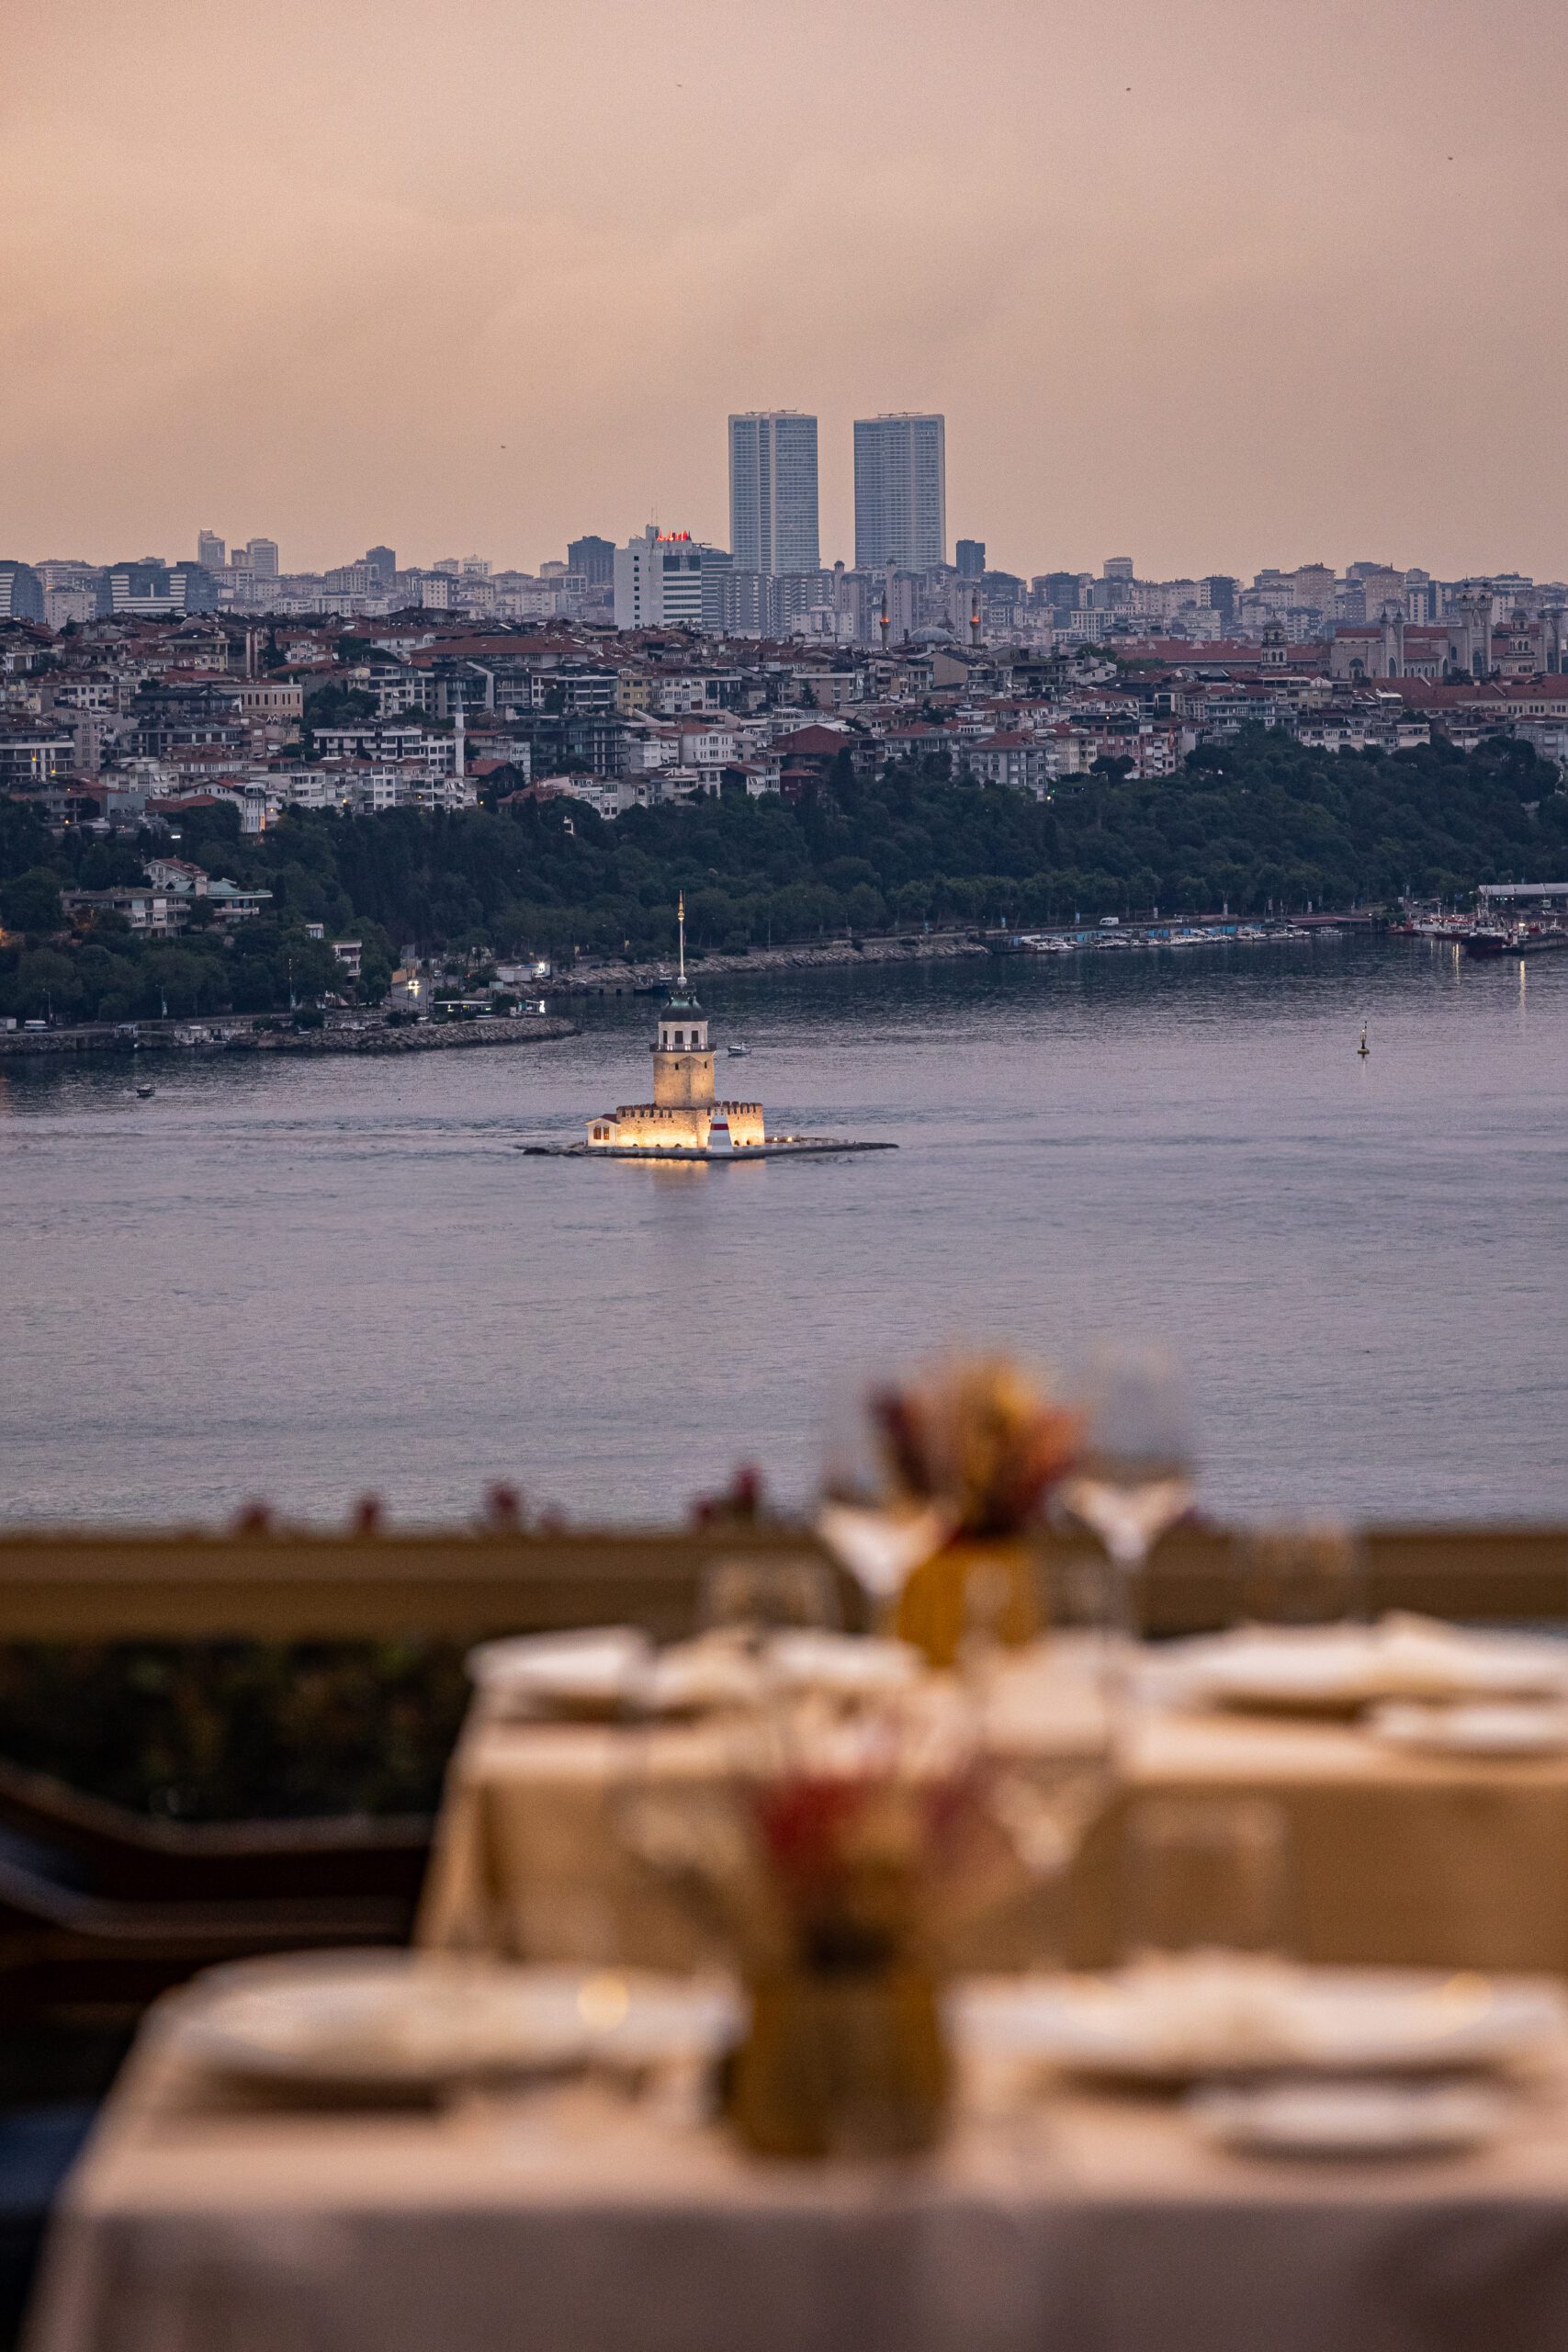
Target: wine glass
1205,1875
1133,1479
751,1597
1312,1574
1054,1717
877,1539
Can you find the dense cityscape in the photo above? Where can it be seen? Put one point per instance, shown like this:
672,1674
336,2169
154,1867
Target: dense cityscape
822,751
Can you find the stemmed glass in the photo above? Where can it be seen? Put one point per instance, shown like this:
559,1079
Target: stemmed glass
1133,1479
1311,1574
750,1599
879,1544
1055,1722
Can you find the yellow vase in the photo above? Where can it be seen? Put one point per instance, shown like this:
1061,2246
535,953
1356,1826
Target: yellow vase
842,2063
945,1598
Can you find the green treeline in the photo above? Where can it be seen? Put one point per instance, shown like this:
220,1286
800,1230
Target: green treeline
1261,823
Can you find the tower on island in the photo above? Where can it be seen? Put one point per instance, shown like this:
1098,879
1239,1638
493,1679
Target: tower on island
684,1115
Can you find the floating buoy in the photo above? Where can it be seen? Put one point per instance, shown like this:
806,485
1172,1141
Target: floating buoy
1363,1050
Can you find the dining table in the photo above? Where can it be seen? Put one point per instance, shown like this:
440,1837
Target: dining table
212,2214
1063,2207
1394,1856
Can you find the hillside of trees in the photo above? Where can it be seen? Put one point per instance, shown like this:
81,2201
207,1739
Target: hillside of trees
1260,823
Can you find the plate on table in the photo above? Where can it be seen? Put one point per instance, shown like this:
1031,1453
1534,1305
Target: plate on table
410,2021
1501,1727
710,1676
846,1666
1172,2021
1350,2120
1340,1669
563,1678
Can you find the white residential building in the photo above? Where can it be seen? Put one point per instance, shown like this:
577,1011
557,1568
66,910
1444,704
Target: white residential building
659,579
1017,761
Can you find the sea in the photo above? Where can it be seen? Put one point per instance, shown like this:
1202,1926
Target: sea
304,1282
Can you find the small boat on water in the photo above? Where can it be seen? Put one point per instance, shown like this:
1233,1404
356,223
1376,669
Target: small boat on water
737,1051
145,1088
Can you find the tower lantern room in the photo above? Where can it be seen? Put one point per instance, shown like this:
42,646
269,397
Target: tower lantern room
683,1026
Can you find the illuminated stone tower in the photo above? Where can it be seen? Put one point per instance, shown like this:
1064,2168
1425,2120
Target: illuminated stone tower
683,1115
683,1059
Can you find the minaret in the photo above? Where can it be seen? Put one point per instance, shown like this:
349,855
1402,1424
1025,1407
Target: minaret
459,746
683,1059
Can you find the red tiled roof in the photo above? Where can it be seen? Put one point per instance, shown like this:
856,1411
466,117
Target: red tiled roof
812,743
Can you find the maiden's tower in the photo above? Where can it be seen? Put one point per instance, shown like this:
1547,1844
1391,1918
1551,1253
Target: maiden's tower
683,1115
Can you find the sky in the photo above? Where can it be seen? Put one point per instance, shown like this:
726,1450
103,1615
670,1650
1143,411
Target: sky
1210,283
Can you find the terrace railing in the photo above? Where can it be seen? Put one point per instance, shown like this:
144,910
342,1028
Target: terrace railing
311,1585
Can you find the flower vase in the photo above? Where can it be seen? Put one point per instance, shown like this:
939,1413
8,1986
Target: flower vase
973,1584
842,2062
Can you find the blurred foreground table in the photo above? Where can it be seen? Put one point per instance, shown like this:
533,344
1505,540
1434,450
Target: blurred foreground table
1395,1859
576,2221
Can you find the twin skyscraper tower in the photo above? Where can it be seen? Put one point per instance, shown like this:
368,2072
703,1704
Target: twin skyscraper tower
900,492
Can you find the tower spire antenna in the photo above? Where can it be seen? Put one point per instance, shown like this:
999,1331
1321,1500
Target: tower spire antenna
680,919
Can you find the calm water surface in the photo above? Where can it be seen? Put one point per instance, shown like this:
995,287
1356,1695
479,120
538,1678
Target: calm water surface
302,1281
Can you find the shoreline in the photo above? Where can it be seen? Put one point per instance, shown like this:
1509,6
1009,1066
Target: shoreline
612,975
620,976
374,1037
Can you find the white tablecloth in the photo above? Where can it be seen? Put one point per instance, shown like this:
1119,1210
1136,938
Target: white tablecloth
578,2224
1396,1859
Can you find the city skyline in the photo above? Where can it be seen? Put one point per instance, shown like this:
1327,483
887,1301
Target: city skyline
1173,283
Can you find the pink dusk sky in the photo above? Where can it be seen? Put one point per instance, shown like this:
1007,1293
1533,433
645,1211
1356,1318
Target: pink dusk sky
1210,283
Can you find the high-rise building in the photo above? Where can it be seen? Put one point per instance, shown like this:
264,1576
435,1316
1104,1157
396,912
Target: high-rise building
660,581
900,492
772,491
155,588
1222,592
1060,591
593,558
1313,585
261,556
210,550
762,604
970,556
21,593
383,563
1119,566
